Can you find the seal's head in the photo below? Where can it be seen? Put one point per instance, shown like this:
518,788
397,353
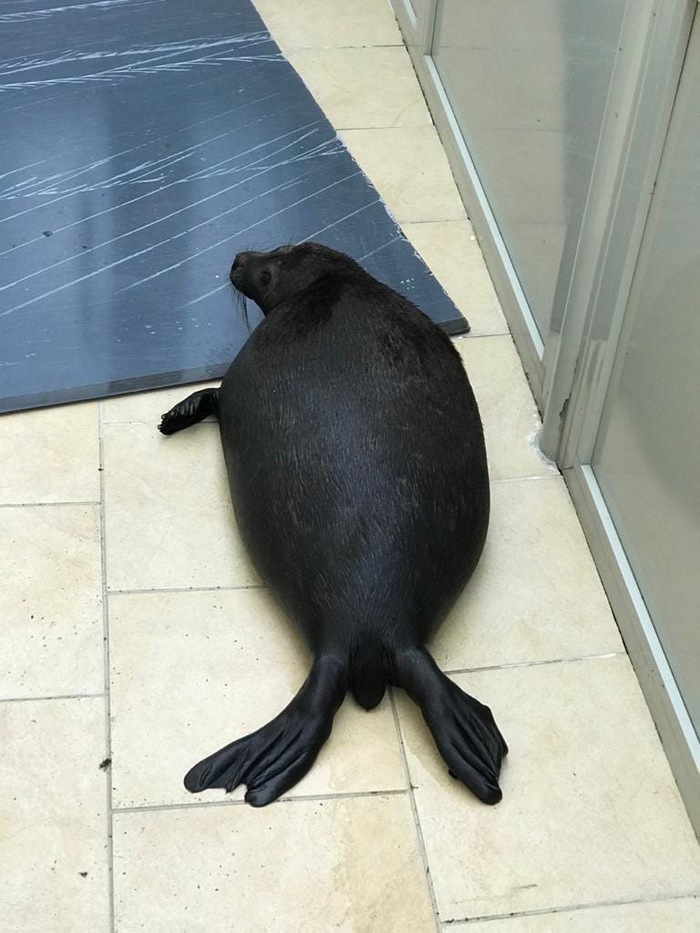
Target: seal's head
274,277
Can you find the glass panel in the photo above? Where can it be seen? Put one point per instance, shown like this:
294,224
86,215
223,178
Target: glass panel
527,80
647,459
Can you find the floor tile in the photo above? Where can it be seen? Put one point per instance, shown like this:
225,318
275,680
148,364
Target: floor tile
680,916
326,23
451,251
50,455
344,83
350,865
507,408
191,672
590,812
409,169
53,845
51,601
169,521
536,594
147,407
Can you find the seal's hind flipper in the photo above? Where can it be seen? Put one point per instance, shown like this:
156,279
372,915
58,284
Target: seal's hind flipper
464,730
277,756
194,408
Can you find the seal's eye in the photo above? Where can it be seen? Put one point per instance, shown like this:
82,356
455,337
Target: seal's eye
265,277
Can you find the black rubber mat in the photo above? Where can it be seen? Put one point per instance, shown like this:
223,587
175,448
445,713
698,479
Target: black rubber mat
144,143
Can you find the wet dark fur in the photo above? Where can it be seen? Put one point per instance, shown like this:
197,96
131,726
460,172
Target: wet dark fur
357,469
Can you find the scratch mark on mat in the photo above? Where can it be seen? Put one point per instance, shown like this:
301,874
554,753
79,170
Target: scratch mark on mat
262,171
44,14
148,249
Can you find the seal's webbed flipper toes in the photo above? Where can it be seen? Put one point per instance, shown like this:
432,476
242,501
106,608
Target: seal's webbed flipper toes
194,408
464,729
274,758
470,743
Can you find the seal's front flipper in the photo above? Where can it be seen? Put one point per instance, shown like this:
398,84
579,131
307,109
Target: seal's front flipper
278,755
464,730
194,408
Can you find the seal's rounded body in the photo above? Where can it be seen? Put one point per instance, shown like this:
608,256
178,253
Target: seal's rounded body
358,474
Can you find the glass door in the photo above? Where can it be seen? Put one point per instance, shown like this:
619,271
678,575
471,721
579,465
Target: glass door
527,81
646,458
573,130
635,469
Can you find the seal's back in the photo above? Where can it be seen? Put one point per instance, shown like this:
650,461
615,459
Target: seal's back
356,454
358,476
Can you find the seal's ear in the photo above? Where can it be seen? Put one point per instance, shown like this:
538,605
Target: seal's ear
266,276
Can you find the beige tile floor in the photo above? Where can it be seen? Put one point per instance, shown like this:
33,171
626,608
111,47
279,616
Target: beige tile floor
132,627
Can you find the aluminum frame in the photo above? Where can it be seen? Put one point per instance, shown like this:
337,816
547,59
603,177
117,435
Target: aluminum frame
570,374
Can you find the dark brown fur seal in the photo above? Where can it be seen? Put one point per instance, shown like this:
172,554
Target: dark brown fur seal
357,467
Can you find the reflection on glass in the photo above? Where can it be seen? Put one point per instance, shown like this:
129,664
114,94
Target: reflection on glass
527,80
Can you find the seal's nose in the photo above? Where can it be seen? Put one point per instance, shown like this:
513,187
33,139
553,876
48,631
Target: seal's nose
239,263
235,273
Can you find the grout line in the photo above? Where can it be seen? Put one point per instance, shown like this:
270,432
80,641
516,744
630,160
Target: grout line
574,907
449,671
199,805
387,126
471,336
553,474
152,425
517,664
60,696
108,701
44,505
332,48
188,589
391,127
450,220
414,810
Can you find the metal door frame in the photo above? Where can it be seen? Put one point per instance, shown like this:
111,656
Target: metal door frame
601,334
637,112
570,373
418,33
643,88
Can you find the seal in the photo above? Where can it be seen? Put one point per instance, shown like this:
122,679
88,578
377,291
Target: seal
357,468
